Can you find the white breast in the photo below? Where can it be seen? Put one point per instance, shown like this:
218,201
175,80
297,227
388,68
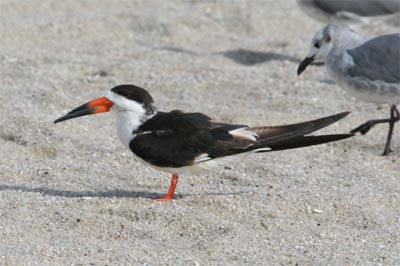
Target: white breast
127,123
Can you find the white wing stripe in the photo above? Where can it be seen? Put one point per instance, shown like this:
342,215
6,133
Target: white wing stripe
245,134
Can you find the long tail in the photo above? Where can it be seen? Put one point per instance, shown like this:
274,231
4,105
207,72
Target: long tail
293,136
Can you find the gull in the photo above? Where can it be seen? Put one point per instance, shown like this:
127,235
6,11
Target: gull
370,72
350,11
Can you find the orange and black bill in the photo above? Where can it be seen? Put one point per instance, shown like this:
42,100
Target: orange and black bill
96,106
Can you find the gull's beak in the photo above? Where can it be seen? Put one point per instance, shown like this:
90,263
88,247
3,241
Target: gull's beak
96,106
303,65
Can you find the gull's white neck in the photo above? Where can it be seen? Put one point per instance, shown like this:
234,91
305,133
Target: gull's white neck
347,40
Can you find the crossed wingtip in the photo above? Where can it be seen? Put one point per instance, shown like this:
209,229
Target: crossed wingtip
344,114
338,116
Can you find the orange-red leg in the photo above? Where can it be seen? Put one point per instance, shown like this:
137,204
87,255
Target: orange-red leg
171,191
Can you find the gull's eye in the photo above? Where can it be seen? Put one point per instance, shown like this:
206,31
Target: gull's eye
317,45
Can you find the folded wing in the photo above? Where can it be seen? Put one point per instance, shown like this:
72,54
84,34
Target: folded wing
193,138
377,59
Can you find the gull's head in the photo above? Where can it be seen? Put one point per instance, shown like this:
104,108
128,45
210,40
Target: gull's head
321,45
122,99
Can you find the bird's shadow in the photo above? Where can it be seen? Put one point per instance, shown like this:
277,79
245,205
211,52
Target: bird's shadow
249,58
115,193
239,56
327,81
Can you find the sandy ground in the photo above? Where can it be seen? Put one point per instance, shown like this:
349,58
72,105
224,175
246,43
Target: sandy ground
71,194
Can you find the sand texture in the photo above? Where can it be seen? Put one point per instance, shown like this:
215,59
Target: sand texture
72,194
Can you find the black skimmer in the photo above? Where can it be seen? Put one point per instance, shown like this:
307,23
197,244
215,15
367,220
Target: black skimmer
188,143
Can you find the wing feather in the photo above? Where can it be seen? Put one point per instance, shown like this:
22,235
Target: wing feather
195,139
176,139
377,59
273,134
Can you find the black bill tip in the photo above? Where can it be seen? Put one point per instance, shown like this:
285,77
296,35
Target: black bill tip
80,111
303,65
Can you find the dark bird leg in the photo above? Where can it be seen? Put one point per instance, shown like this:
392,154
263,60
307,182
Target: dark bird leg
394,117
171,191
364,128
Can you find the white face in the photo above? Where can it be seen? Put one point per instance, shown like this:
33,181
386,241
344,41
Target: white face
130,115
321,46
122,104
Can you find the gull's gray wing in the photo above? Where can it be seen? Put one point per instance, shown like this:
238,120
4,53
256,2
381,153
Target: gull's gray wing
377,59
359,7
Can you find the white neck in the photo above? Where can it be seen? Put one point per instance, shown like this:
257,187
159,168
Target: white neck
127,123
348,40
338,60
130,115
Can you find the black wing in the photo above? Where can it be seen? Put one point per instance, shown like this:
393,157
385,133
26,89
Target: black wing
378,59
175,139
295,135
